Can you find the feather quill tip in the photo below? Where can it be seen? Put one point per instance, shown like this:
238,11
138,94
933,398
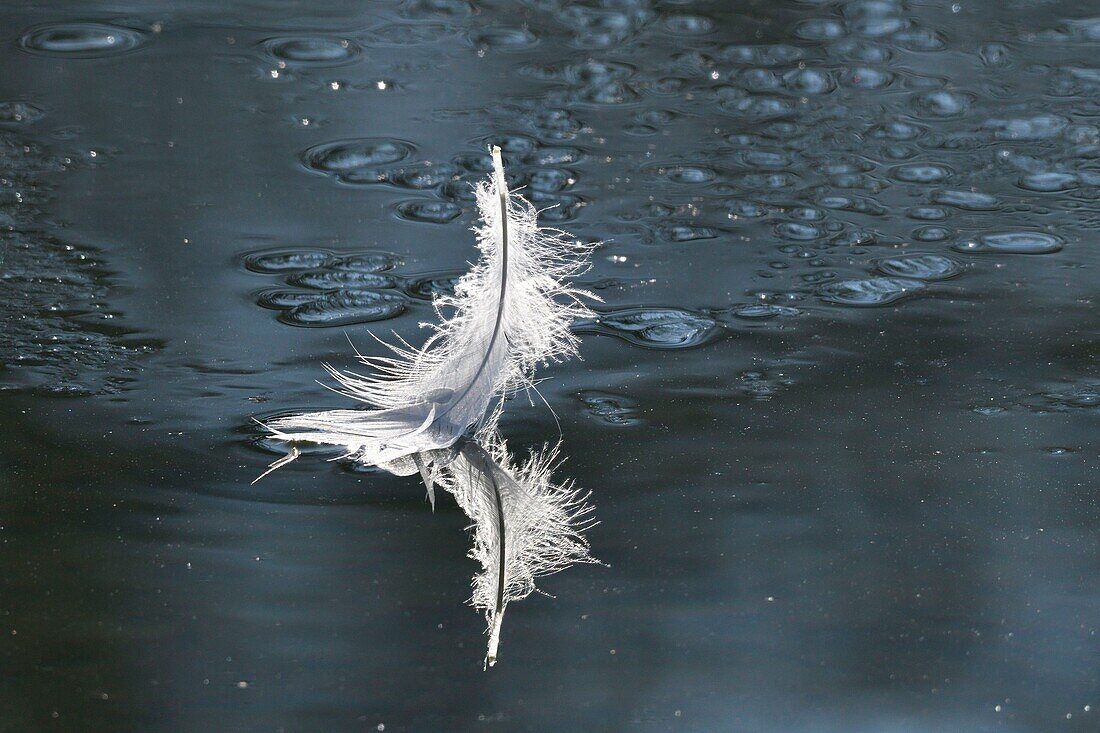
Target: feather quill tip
494,639
279,463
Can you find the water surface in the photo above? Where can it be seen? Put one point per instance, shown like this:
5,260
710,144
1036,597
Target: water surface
838,410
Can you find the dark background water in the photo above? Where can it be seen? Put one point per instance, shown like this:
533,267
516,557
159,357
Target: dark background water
838,418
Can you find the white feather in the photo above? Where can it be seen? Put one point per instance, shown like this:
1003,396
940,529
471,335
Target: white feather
510,312
525,526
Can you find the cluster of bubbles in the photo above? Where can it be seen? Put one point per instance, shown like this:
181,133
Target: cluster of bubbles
864,178
826,145
539,169
61,336
328,289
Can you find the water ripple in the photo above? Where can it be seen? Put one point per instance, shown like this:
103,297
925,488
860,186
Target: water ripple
81,40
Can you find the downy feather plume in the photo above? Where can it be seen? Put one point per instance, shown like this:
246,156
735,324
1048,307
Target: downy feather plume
434,409
510,312
524,524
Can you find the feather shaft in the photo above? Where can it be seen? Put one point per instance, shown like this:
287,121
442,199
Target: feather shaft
502,195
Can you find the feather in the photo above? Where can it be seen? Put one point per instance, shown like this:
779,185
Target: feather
524,525
510,312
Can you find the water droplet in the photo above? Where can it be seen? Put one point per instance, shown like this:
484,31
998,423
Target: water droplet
344,308
609,408
550,180
553,156
927,213
759,106
690,174
920,39
994,54
866,77
878,26
688,25
426,287
284,299
876,291
19,113
605,93
897,130
1027,243
434,212
931,234
460,191
503,38
921,173
81,40
855,238
554,124
820,29
1049,182
311,50
687,233
761,311
474,162
739,208
770,159
336,279
1075,396
287,260
1039,127
808,81
798,231
510,144
653,327
852,203
366,262
969,200
347,156
941,103
920,267
452,9
424,175
853,49
806,213
555,207
777,54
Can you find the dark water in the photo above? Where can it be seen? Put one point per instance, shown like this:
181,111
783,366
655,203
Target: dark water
839,415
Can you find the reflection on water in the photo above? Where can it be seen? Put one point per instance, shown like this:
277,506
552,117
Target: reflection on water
815,514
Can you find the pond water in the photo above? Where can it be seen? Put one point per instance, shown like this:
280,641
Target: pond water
838,411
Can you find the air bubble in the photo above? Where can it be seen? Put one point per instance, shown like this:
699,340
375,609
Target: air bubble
876,291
